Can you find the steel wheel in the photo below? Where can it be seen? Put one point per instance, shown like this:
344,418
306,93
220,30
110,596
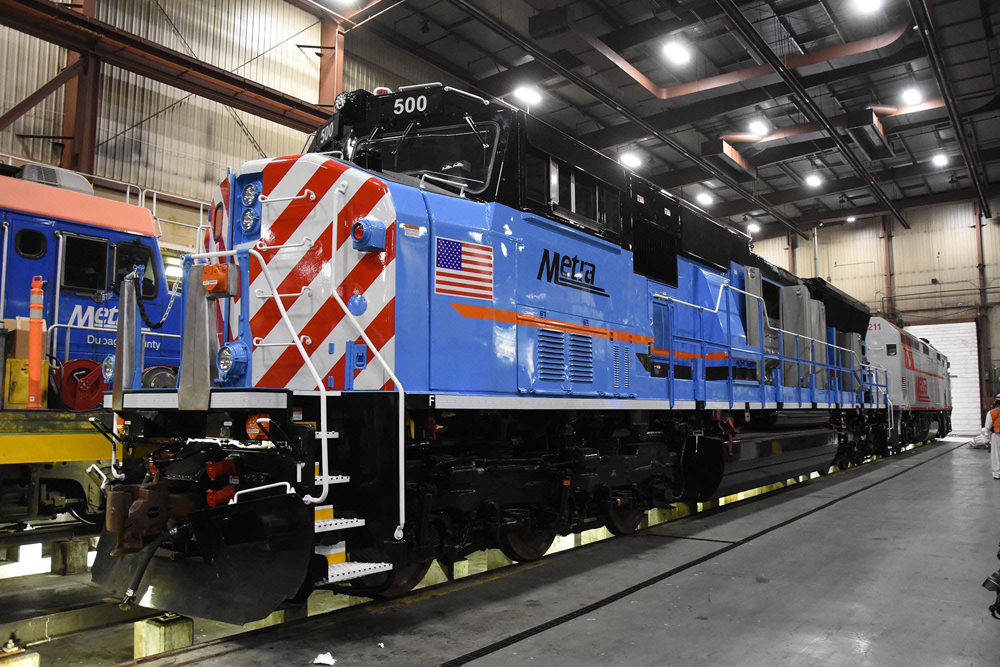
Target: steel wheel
403,579
525,545
623,520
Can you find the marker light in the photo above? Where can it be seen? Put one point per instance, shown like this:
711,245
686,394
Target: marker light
249,194
528,95
912,97
108,368
940,160
630,160
232,360
704,198
248,220
368,235
814,181
753,228
676,53
759,128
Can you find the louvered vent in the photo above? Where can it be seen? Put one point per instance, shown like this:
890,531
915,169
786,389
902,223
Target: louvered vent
628,356
581,358
551,355
617,356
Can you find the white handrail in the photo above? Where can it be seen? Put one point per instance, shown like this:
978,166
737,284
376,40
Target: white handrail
3,272
401,456
663,296
264,199
263,247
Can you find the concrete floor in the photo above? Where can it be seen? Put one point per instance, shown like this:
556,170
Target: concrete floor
880,566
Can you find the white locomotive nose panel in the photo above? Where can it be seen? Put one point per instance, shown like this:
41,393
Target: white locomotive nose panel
307,216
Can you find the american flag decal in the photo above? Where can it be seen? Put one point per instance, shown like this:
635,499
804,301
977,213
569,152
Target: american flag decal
463,269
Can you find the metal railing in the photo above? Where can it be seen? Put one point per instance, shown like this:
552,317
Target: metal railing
69,328
859,371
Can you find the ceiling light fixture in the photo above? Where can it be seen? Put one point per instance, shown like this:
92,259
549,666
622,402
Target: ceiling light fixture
753,228
940,160
814,181
704,198
851,218
677,53
912,97
528,95
759,128
630,160
868,6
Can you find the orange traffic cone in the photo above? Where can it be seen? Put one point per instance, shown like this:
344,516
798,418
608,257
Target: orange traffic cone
35,345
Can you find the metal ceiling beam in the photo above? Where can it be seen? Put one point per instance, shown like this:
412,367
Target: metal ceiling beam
64,27
921,12
839,185
677,117
32,100
598,94
808,105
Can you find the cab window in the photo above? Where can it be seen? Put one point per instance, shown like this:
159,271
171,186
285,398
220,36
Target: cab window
127,256
29,243
85,264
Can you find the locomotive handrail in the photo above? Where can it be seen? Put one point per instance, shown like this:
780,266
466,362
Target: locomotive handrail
765,322
82,327
324,432
3,272
264,199
305,242
428,176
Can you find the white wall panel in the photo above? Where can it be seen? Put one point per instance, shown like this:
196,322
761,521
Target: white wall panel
957,341
774,250
853,259
370,62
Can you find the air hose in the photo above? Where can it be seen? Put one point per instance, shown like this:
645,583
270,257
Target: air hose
180,531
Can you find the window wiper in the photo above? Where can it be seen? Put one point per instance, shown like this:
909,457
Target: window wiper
403,136
475,128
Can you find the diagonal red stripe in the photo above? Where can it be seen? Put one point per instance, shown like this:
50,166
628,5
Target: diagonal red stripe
275,170
296,212
381,329
309,266
328,316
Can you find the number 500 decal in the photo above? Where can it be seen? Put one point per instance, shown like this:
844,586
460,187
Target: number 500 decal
410,105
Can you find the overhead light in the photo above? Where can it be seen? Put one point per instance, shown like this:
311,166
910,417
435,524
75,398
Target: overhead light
759,128
528,95
753,228
630,160
704,198
814,181
677,53
868,6
851,218
912,97
940,160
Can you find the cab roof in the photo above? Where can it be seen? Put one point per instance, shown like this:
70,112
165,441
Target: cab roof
50,202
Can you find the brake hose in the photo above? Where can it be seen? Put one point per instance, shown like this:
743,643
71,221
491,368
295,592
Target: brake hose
179,531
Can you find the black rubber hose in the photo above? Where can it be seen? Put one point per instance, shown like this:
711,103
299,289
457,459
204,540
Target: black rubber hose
178,531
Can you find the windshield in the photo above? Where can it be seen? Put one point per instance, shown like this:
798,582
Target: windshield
454,153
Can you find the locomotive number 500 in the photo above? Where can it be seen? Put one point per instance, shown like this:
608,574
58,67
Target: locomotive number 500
410,104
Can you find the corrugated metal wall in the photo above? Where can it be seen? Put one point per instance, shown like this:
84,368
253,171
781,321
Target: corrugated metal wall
370,62
773,250
851,257
163,138
17,82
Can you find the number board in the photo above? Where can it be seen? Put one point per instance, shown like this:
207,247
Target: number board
409,105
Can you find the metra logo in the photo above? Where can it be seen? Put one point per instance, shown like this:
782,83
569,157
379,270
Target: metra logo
569,272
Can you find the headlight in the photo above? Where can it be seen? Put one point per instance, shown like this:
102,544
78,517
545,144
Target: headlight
108,367
232,360
340,101
249,195
225,360
249,220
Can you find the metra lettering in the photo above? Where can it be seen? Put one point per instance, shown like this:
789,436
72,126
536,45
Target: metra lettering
569,272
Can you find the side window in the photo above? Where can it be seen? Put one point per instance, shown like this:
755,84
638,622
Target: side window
585,191
611,209
127,256
29,243
536,177
217,220
85,264
890,349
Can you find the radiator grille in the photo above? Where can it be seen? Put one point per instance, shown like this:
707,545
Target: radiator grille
550,355
581,358
616,350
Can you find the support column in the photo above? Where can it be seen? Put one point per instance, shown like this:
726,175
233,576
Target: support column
815,247
791,238
331,62
890,271
80,106
986,388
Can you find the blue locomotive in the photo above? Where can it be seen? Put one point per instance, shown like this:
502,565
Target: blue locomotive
449,327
